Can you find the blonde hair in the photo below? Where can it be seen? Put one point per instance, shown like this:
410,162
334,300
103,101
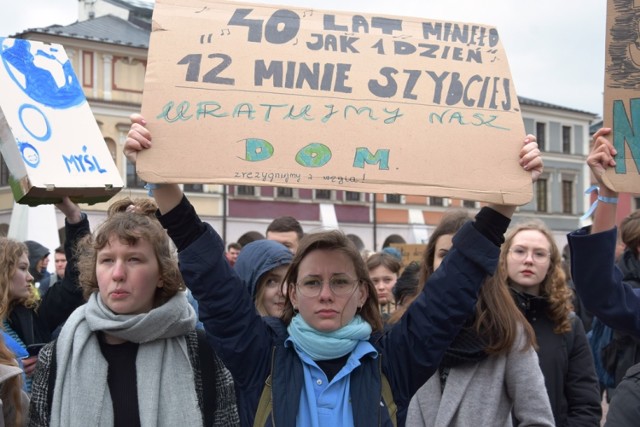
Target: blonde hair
10,252
554,286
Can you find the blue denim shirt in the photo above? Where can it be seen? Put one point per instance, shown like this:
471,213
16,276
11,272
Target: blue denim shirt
325,403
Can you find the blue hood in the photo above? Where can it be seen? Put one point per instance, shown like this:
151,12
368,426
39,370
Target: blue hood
259,257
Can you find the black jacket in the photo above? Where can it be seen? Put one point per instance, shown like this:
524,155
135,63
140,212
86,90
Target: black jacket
624,350
624,409
35,326
566,363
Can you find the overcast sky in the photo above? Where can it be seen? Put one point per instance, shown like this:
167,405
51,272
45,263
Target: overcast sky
555,47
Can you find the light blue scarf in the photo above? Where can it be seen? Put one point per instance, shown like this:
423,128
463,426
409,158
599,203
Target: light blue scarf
328,345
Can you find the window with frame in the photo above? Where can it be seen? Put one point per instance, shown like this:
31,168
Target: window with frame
436,201
393,198
4,172
637,202
352,196
566,139
469,204
567,196
193,188
133,181
322,194
541,135
285,192
541,195
245,190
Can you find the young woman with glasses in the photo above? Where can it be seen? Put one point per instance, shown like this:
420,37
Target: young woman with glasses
325,362
490,370
531,265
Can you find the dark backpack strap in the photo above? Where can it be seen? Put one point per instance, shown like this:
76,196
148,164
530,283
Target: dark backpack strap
208,370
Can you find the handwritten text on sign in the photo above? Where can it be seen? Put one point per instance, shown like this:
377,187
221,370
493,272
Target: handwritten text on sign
250,94
49,137
622,82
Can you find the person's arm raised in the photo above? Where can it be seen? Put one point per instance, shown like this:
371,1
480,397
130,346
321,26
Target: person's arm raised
167,196
599,160
530,161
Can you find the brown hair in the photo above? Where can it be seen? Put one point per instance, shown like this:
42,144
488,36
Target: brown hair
554,286
131,221
10,392
630,232
284,224
10,253
497,318
450,223
333,241
388,261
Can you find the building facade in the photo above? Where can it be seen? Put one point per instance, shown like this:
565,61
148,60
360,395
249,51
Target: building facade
108,49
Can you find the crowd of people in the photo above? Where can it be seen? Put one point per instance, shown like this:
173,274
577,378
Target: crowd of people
306,329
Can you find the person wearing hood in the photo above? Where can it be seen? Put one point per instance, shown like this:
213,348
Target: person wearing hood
38,261
261,266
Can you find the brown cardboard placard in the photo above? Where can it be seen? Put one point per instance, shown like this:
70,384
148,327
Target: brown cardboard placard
622,93
49,138
239,93
411,252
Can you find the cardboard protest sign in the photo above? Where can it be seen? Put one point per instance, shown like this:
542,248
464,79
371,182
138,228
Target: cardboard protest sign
622,93
239,93
49,138
411,252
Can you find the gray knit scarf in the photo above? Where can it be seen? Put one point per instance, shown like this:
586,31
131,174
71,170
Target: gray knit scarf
166,390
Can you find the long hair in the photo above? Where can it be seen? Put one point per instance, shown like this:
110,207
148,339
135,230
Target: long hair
497,318
130,221
554,286
450,223
11,389
333,241
10,253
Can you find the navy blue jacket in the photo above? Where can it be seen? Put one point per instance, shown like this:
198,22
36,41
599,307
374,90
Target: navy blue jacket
410,352
258,258
599,282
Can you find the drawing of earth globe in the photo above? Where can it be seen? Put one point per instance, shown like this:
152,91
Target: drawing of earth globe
42,72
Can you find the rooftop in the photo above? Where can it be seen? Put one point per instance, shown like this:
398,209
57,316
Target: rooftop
535,103
105,29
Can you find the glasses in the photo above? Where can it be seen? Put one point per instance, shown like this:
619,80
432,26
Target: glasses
339,285
519,253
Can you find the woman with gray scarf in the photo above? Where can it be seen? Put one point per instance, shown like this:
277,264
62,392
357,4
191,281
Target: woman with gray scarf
131,355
